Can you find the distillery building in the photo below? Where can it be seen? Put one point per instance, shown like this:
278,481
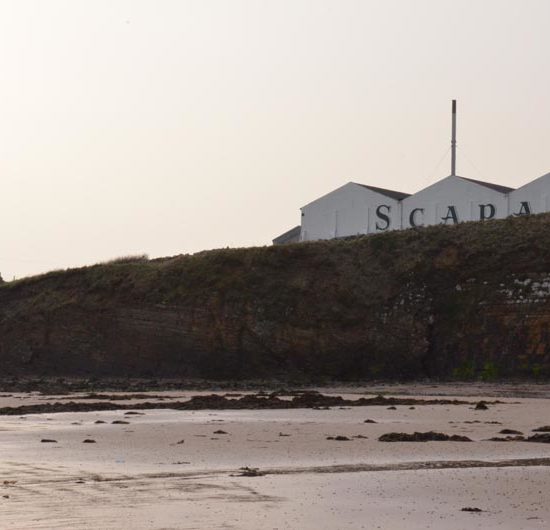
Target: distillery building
357,209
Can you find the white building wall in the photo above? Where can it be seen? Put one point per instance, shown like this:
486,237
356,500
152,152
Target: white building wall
354,209
348,211
535,195
432,204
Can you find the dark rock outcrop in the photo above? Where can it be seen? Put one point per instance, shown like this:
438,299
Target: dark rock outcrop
430,436
540,438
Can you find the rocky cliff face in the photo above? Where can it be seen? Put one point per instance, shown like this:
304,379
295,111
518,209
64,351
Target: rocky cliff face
462,301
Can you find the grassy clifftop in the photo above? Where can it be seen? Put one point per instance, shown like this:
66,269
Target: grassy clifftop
466,300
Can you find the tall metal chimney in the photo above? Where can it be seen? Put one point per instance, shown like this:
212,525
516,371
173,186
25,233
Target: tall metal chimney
453,142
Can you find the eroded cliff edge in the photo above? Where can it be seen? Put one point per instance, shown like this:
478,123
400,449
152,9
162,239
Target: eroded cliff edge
461,301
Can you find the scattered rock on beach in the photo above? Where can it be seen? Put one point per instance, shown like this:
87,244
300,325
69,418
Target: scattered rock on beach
339,438
259,401
430,436
507,439
540,438
250,472
219,431
120,422
470,509
481,405
88,441
369,421
99,421
545,428
48,441
509,431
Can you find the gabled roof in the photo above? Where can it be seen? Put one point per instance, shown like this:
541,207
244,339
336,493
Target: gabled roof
397,195
490,185
539,179
290,236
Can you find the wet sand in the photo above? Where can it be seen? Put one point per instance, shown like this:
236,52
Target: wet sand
180,469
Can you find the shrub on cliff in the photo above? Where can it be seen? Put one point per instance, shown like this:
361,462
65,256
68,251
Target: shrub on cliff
138,258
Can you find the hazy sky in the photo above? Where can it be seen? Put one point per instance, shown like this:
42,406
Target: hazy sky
166,127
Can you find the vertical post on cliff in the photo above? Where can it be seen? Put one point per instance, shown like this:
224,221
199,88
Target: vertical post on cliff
453,142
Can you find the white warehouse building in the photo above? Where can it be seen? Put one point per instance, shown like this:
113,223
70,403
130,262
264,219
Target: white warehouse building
533,197
352,209
356,209
453,200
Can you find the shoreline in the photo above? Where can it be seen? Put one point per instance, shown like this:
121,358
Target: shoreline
435,387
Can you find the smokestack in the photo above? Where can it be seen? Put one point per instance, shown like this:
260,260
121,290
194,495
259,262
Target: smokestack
453,142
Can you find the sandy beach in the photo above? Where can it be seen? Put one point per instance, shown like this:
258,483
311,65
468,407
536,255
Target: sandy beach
304,468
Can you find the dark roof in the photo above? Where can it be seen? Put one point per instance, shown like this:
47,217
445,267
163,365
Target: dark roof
290,236
496,187
397,195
